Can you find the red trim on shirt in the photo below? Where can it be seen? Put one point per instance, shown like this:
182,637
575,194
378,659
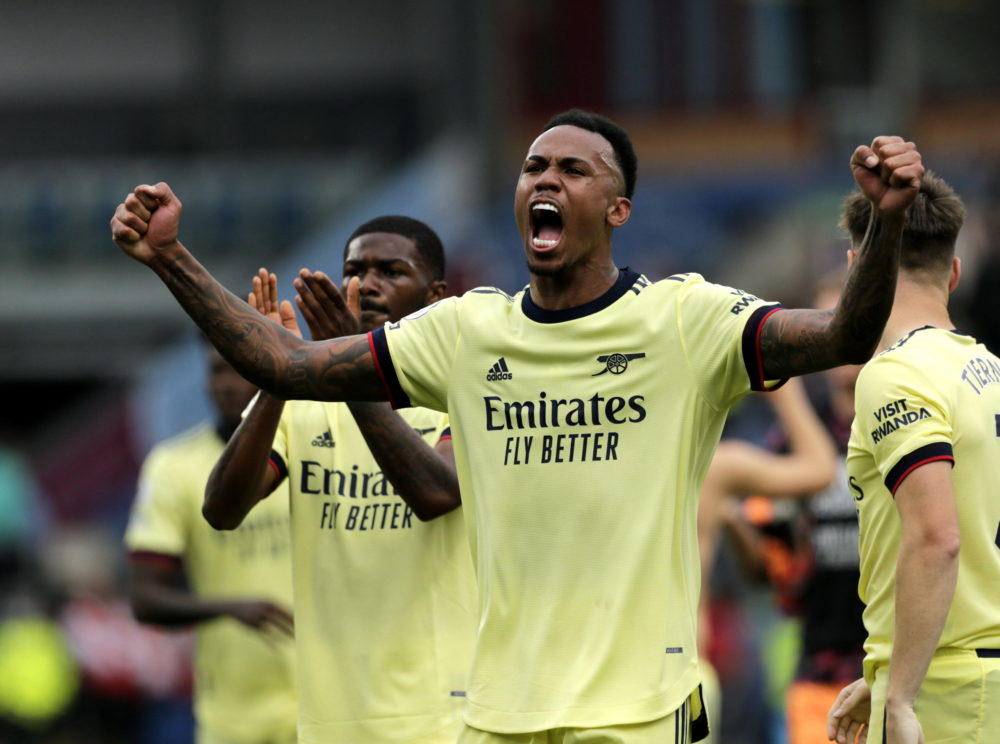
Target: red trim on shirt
277,473
760,360
916,465
378,369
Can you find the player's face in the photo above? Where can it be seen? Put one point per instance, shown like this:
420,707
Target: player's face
568,198
230,392
393,279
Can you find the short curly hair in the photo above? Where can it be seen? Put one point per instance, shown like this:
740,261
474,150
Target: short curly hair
427,241
618,137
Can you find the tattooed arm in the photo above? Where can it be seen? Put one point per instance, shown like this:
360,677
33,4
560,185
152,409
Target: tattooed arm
145,227
796,342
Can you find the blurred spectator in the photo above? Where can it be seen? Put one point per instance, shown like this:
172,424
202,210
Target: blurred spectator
39,681
130,674
20,516
739,467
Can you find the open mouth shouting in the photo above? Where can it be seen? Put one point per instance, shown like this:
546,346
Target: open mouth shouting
546,225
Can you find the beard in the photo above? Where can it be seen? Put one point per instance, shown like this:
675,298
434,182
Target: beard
545,268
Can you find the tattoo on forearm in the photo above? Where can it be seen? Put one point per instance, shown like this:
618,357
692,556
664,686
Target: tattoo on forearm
261,350
794,340
797,342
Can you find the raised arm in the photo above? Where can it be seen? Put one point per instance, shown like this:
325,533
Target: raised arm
809,465
796,342
145,227
811,461
425,477
243,475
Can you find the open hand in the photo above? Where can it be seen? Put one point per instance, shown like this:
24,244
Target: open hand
264,297
325,309
850,713
147,221
264,616
888,173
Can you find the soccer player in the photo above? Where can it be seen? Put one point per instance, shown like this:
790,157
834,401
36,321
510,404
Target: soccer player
585,410
385,603
235,588
924,464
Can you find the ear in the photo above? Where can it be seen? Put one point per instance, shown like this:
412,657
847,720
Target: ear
956,274
437,290
619,211
852,254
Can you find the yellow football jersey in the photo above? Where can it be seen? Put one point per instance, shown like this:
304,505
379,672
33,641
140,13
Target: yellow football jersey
385,605
581,437
244,682
934,395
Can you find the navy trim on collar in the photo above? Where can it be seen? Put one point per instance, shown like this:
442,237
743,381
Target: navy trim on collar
626,278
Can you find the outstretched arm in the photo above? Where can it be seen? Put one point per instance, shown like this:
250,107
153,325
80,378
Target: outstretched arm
145,227
808,466
797,342
157,595
425,477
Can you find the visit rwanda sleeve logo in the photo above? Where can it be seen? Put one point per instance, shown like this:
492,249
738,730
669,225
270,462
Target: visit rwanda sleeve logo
895,415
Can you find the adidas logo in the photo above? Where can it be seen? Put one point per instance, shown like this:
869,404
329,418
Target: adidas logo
323,440
499,371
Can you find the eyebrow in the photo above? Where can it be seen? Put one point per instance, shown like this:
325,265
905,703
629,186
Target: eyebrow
381,262
565,162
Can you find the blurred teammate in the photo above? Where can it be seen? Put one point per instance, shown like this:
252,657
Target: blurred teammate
924,466
384,602
741,468
585,409
235,588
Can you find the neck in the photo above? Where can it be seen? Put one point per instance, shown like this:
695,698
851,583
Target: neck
915,305
572,286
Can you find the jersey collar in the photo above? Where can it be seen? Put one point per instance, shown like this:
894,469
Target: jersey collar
626,278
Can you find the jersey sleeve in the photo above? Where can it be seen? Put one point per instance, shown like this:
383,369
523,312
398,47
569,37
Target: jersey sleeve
903,416
444,428
278,460
158,522
415,355
720,334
